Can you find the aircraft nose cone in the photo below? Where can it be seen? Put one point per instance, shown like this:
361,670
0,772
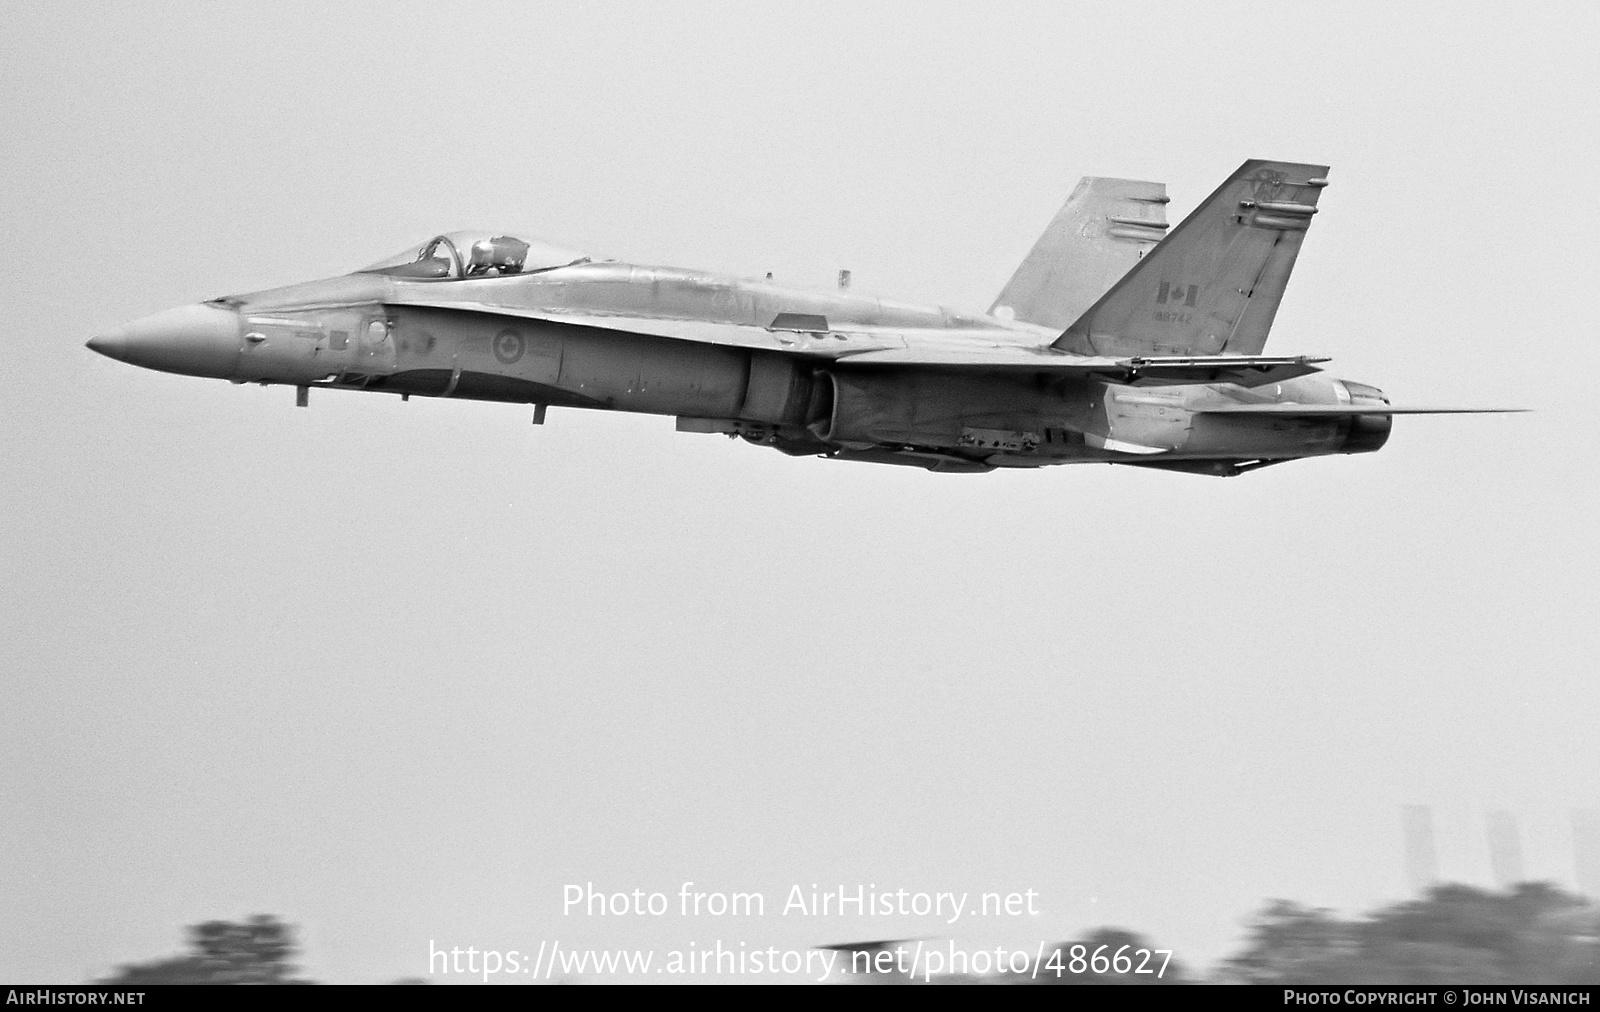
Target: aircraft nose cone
110,345
198,340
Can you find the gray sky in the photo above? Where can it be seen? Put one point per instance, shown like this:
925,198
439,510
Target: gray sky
399,672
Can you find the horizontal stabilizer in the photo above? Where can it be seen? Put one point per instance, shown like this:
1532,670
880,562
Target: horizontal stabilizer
1344,410
1245,370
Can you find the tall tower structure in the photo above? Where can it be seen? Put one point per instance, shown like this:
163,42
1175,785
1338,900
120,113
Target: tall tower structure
1586,851
1505,849
1422,861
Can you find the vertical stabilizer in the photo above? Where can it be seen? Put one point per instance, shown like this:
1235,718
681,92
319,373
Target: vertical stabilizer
1102,230
1213,286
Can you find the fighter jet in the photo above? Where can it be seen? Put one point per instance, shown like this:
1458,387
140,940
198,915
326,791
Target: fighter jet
1115,342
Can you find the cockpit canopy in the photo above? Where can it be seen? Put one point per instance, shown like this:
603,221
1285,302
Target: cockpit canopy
475,254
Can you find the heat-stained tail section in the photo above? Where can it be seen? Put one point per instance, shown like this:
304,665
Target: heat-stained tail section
1213,286
1102,230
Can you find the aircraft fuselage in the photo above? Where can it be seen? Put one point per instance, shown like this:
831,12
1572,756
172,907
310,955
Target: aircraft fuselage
569,337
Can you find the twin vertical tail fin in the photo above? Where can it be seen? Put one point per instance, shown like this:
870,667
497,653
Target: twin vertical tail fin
1102,230
1213,286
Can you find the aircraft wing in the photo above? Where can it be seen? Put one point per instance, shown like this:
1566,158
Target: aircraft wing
951,348
811,336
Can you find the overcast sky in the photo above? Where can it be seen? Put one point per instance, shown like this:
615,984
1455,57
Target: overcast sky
398,672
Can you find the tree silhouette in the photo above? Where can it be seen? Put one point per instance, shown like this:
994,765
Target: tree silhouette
256,951
1456,934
